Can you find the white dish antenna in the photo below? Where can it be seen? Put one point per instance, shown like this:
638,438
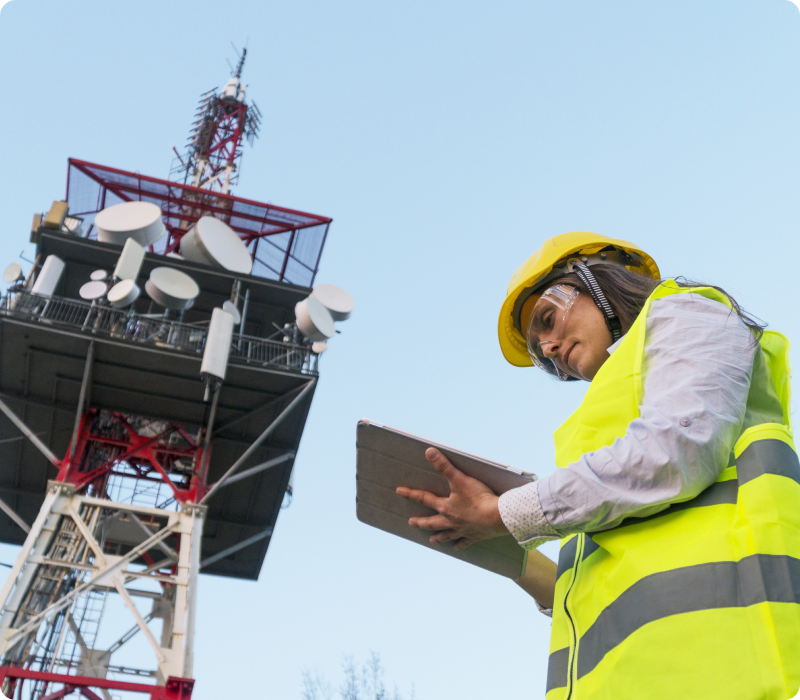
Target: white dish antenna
230,307
212,242
171,288
98,275
140,221
13,273
130,261
319,347
93,290
123,294
335,299
314,320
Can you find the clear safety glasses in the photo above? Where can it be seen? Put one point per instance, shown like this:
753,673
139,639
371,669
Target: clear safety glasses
547,324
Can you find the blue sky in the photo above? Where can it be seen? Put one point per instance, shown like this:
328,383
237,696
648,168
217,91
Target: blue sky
446,140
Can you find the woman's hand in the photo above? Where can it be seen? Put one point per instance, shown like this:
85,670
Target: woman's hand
467,515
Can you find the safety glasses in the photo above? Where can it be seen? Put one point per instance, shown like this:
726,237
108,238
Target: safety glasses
547,324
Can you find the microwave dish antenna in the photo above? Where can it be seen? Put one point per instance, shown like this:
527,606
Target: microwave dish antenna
13,273
93,290
338,302
140,221
123,294
171,288
314,320
98,276
212,242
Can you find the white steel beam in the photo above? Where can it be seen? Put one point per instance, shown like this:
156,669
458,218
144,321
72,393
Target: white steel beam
274,462
267,432
235,548
141,623
11,513
107,573
33,437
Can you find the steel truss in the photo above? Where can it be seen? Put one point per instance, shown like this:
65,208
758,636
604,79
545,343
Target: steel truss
53,599
122,522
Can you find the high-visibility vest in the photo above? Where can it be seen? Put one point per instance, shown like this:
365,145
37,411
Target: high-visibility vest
701,600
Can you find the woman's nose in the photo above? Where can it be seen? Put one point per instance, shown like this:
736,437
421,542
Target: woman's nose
550,348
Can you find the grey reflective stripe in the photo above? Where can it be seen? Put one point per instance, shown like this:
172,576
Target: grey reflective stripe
726,584
719,493
767,457
557,669
566,556
589,547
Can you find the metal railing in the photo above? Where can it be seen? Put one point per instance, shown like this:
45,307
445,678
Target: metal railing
119,324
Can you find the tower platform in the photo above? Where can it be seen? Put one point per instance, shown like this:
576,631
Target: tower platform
150,367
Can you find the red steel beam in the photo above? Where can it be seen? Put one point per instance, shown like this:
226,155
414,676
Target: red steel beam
198,190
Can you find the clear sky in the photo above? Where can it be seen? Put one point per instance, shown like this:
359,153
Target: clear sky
446,140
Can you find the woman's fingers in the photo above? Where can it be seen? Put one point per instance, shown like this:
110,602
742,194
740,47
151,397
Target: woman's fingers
426,498
433,522
444,536
443,465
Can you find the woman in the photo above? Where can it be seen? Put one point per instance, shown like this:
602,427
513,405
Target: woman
677,500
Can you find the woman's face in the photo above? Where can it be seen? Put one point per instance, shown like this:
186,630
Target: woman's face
579,345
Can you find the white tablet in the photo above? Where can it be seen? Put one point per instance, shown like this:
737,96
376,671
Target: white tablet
387,458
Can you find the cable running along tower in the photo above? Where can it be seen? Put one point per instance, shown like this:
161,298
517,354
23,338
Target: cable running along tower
158,360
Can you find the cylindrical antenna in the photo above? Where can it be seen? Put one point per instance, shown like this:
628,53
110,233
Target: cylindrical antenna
218,348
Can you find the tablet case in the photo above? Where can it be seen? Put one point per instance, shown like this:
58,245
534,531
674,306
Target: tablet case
387,458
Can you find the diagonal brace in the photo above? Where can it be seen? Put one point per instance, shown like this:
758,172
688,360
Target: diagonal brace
33,437
163,546
270,428
67,599
11,513
274,462
235,548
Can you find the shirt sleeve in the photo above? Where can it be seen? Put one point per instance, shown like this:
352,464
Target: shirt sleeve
697,369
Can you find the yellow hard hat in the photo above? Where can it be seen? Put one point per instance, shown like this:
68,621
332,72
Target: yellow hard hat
554,260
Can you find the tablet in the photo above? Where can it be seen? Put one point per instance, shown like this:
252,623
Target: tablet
387,458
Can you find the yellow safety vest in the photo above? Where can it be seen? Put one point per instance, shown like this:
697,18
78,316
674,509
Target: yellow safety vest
701,600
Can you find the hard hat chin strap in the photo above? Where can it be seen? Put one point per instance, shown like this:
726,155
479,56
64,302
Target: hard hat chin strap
600,300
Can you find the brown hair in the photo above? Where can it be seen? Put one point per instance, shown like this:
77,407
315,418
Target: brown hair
627,293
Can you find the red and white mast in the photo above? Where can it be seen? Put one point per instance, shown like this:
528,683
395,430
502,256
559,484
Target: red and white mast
222,122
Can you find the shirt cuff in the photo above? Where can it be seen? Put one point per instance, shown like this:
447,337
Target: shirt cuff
545,611
521,512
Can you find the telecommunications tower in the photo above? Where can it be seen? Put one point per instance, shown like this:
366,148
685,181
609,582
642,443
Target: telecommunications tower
159,358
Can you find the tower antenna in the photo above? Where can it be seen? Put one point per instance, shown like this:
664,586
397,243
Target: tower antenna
223,120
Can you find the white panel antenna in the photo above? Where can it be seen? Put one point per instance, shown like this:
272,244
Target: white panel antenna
49,276
130,261
218,346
